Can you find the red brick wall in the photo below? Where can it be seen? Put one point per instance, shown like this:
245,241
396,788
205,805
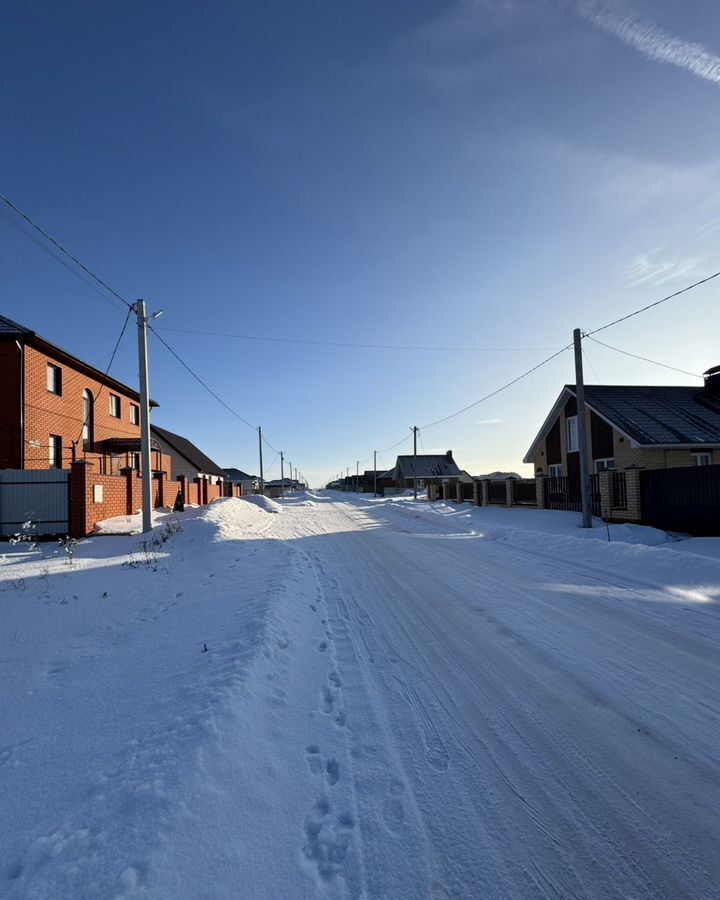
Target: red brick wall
122,496
10,406
47,413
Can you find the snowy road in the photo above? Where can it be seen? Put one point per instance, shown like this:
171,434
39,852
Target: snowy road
439,710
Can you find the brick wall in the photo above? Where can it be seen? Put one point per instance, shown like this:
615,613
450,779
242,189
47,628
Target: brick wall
47,413
121,496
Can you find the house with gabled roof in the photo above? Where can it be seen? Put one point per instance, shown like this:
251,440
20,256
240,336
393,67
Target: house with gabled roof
423,470
56,409
201,479
632,427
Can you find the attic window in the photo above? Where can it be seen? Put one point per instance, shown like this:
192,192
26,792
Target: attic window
572,434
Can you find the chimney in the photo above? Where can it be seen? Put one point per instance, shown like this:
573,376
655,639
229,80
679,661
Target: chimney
712,382
448,454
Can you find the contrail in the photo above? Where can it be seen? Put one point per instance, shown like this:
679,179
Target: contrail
650,40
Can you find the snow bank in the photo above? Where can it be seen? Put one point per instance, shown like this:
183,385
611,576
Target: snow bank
264,503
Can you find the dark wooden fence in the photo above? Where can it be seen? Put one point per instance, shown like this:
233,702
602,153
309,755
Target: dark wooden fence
497,492
524,493
686,499
562,492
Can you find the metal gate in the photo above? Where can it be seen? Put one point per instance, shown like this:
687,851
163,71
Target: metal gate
684,499
39,497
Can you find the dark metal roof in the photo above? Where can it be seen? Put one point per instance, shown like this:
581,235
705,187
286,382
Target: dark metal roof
657,415
238,475
10,330
649,415
187,449
427,466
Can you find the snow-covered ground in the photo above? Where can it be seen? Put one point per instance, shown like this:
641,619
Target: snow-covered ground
337,696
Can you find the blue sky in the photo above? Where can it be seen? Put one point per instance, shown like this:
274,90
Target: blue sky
485,174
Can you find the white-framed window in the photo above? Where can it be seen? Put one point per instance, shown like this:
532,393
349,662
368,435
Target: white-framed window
604,465
572,434
55,452
114,406
134,414
135,461
702,459
555,470
54,379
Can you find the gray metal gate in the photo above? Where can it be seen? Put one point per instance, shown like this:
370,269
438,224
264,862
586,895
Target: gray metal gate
41,497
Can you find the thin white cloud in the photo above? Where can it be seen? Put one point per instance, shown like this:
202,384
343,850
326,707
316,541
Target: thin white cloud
649,39
652,268
490,422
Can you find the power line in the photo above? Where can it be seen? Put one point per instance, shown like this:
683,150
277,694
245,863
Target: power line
345,344
643,358
653,304
200,381
62,249
498,390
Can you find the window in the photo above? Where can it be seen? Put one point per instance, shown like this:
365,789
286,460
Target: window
114,406
134,414
135,461
555,471
604,465
55,452
572,434
702,459
54,379
88,414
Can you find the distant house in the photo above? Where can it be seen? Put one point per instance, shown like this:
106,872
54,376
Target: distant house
190,464
424,469
632,427
248,483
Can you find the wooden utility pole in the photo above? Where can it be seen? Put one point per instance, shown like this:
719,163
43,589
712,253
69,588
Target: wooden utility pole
415,432
375,472
357,475
282,474
582,432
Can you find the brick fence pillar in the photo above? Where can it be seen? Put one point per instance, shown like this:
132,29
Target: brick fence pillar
459,491
540,491
634,498
509,491
606,495
485,493
477,496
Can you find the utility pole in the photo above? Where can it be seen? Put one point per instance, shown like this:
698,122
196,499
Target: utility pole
582,432
347,478
282,474
375,472
415,431
145,464
357,475
262,477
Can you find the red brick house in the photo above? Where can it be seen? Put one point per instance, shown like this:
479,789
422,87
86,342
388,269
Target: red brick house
56,409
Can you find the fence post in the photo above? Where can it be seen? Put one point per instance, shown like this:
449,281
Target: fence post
634,496
78,498
509,491
606,495
485,492
540,491
477,496
459,491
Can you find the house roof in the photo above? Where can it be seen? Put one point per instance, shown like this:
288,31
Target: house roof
11,331
427,466
238,475
650,416
189,451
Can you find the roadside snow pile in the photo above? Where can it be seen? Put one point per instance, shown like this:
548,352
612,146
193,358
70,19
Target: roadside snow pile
128,524
261,502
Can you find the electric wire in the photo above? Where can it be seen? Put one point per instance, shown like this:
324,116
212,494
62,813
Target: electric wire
62,249
352,345
655,362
